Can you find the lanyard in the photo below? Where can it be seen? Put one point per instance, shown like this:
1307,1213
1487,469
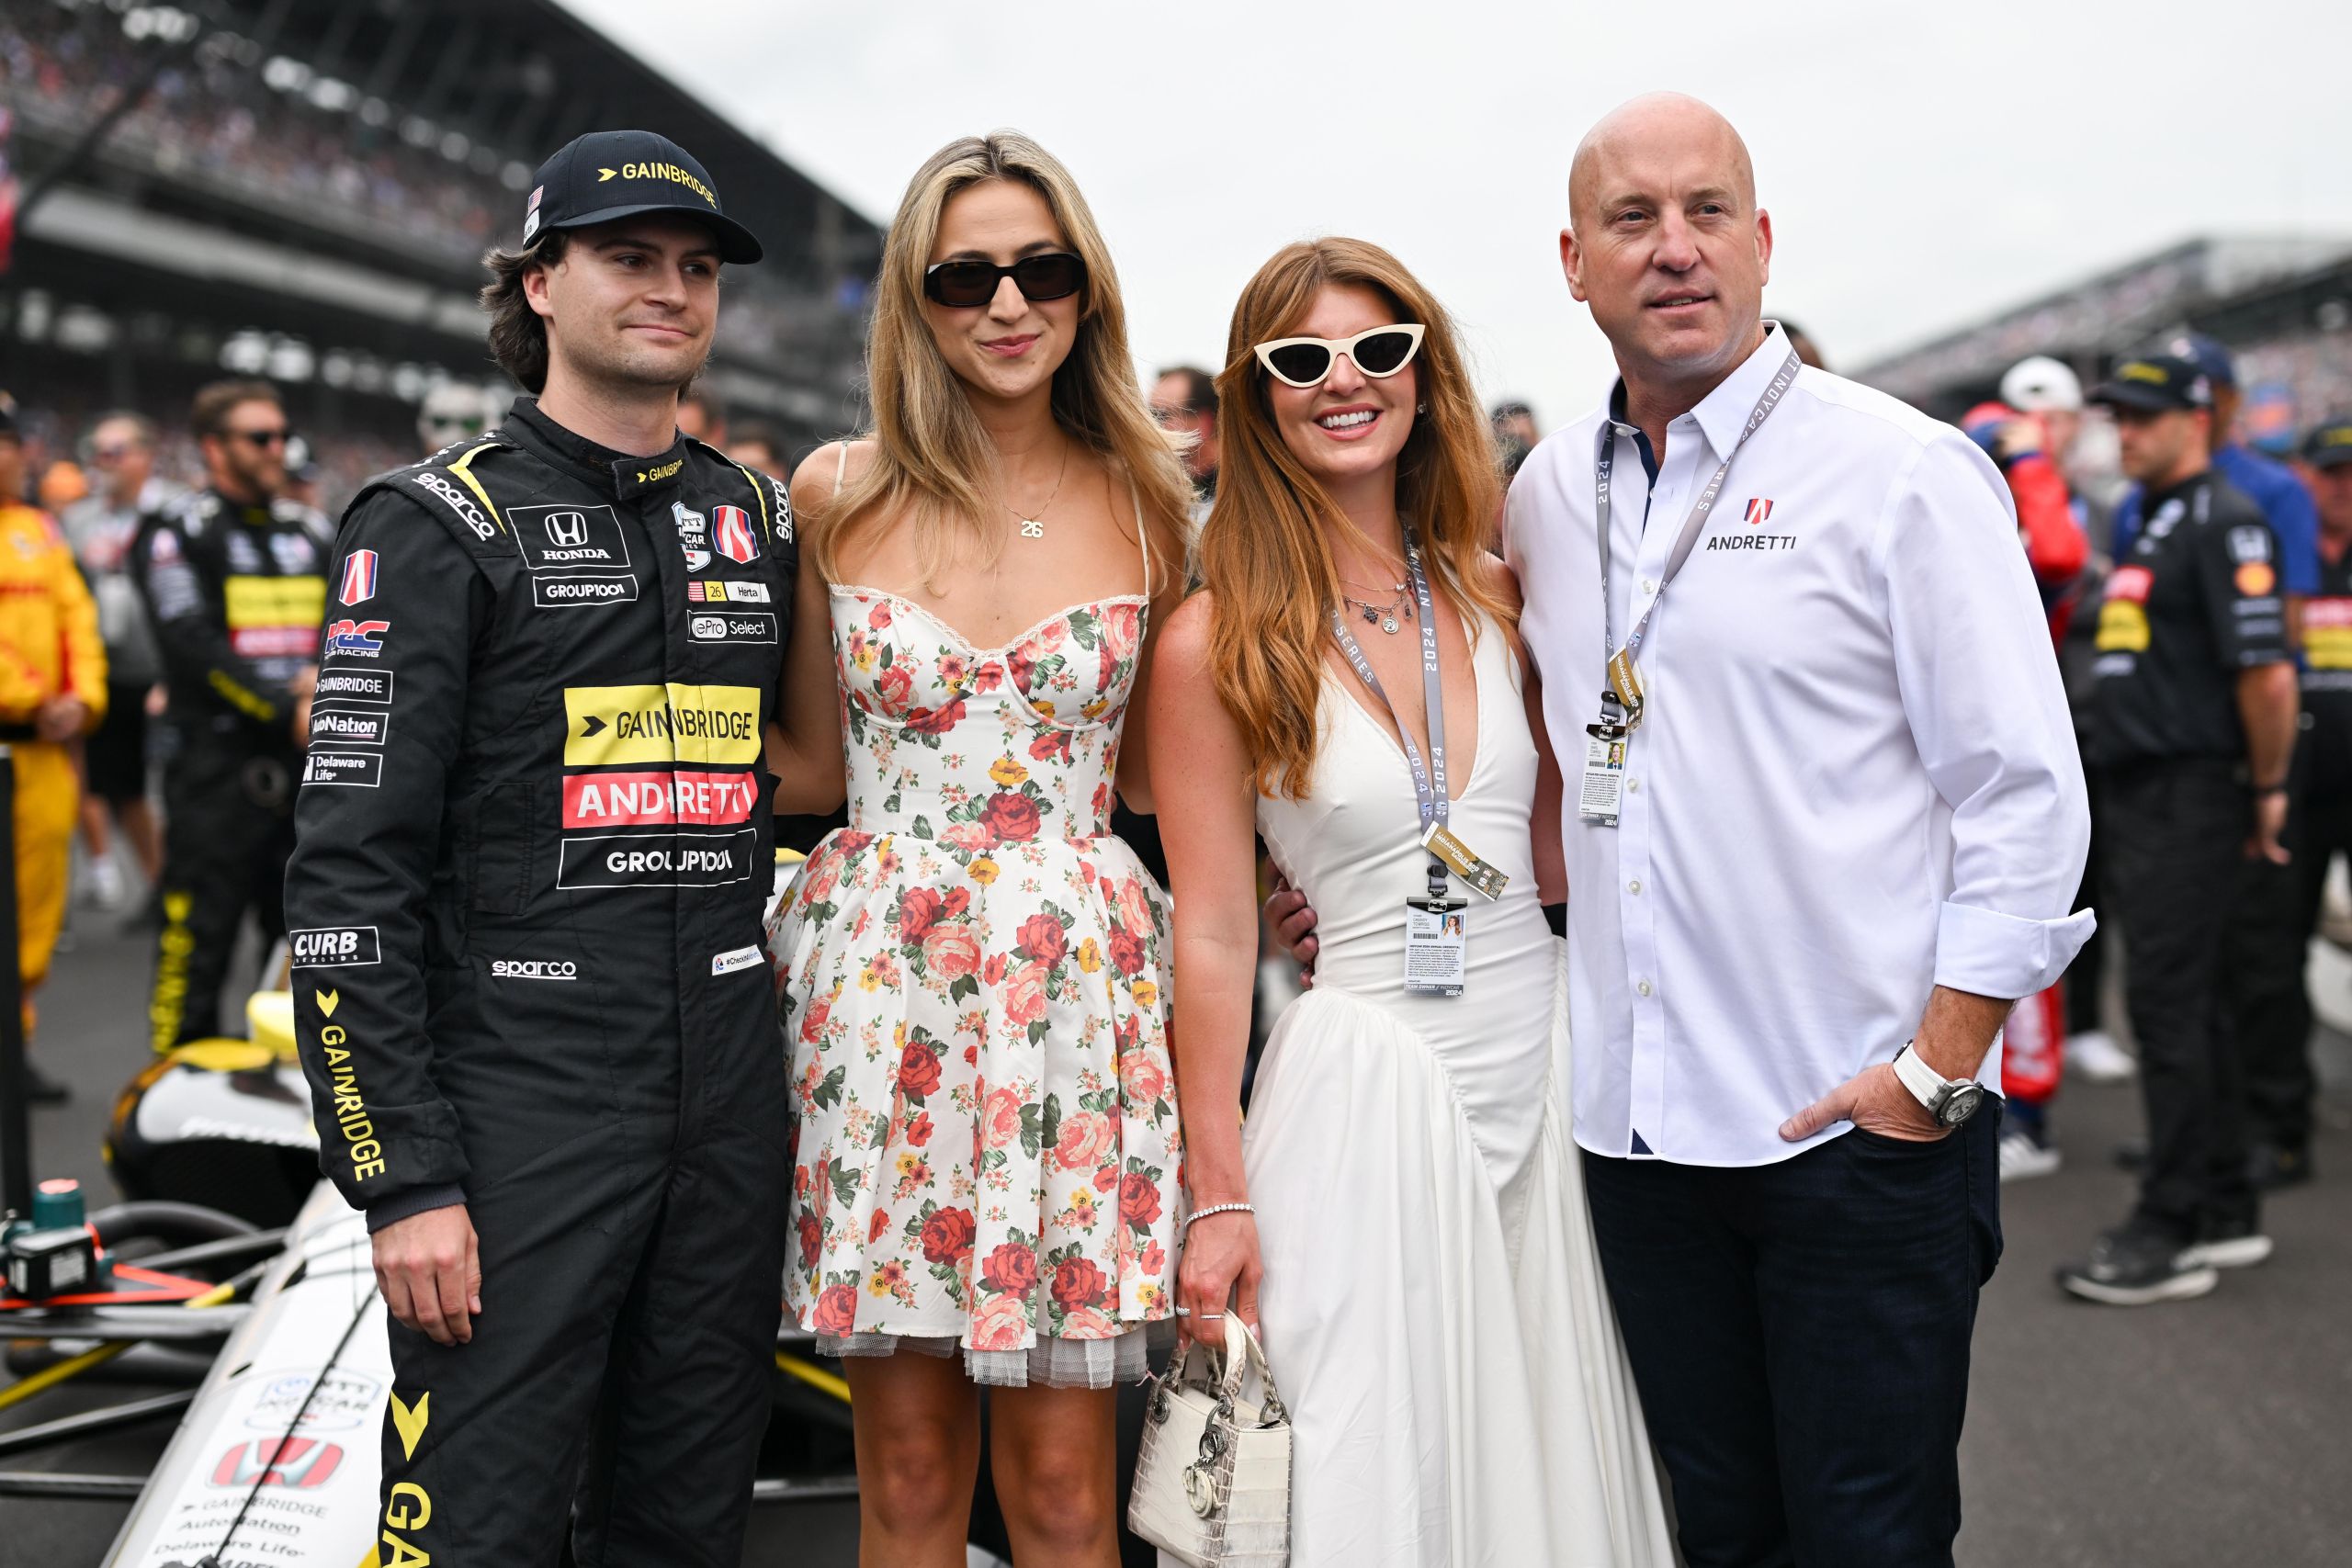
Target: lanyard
1428,783
1624,688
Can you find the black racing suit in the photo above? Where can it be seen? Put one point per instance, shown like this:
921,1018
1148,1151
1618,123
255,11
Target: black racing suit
235,592
533,849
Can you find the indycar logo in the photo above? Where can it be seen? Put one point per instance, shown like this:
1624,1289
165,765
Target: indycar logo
702,591
694,535
677,860
356,639
334,947
301,1463
731,531
458,501
358,578
756,626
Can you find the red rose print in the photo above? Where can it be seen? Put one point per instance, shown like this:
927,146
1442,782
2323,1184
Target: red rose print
999,1322
988,677
1133,907
1051,747
812,1024
836,1311
849,843
958,901
1127,951
1025,994
880,617
918,1070
1019,667
1012,1268
1122,629
1138,1198
1012,818
812,1237
947,1235
999,1121
1106,1178
919,910
993,970
951,952
966,836
1143,1079
1077,1283
895,687
936,721
1042,939
1087,1138
919,1129
874,1232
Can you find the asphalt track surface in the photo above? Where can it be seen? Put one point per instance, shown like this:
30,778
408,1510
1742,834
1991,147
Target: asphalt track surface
2205,1434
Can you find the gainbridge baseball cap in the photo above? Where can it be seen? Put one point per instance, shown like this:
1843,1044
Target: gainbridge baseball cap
608,174
2329,444
2155,383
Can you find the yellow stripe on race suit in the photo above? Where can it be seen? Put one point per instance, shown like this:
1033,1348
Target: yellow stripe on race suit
2123,628
274,601
464,468
759,494
675,723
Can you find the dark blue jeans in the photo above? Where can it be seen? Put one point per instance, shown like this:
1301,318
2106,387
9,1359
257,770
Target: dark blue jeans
1800,1333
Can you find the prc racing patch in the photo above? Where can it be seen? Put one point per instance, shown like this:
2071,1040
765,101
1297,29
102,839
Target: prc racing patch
642,799
576,593
733,625
670,859
334,947
354,639
570,538
617,725
358,770
354,686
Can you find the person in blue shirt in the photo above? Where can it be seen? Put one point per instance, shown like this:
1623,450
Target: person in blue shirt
2268,1003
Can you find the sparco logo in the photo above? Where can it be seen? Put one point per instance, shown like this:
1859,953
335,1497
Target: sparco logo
458,503
568,529
534,969
334,947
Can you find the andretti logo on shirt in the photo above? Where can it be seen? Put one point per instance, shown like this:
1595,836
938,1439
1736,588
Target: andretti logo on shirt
657,799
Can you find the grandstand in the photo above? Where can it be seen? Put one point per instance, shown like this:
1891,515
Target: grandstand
2283,304
303,189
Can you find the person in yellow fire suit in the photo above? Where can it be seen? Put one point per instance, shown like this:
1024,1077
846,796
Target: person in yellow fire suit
53,692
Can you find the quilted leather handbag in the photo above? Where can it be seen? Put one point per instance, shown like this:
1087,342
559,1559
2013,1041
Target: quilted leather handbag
1212,1484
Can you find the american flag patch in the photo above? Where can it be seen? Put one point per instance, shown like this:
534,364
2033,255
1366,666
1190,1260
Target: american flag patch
358,578
703,592
1759,511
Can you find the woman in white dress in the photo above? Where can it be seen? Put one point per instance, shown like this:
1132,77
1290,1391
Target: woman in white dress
1402,1218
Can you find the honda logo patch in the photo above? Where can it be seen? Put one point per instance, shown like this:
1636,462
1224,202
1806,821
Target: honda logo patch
568,529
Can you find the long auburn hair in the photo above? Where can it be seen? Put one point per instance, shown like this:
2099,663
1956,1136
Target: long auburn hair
1265,551
934,463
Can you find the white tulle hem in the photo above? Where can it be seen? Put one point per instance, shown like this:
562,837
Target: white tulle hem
1051,1362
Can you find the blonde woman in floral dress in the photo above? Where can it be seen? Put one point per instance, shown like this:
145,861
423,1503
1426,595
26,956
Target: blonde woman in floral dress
973,973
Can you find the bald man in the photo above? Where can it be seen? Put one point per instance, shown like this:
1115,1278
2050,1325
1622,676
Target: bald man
1825,820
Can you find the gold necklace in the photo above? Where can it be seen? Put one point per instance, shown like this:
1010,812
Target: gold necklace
1032,527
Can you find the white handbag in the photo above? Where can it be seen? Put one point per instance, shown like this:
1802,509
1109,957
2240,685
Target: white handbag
1212,1485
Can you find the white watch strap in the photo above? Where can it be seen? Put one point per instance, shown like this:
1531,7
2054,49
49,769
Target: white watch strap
1926,1084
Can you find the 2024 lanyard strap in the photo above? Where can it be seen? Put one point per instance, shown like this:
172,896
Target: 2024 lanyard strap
1429,781
1620,701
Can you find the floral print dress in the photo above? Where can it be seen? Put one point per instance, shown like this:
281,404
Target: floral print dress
972,975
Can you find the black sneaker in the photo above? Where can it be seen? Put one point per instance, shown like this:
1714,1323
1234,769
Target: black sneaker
42,1089
2226,1244
2137,1264
2272,1166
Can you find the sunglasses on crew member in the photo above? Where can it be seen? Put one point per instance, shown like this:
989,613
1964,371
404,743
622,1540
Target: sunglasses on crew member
260,437
1304,362
962,285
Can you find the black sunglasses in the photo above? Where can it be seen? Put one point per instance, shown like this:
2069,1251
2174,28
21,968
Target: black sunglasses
1056,274
261,437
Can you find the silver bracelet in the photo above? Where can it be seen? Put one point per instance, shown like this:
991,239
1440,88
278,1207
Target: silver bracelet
1216,1209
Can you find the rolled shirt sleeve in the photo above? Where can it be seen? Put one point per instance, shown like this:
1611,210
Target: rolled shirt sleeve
1981,694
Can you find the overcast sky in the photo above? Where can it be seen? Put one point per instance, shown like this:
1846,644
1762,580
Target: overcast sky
1923,165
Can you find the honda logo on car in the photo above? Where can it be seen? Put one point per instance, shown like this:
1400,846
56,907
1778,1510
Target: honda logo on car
301,1463
334,947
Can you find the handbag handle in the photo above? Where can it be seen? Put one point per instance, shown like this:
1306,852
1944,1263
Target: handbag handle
1242,1352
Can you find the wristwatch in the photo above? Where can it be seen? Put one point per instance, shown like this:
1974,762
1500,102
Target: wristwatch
1950,1100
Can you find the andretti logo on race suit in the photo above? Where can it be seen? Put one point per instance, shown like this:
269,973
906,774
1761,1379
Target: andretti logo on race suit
658,799
672,860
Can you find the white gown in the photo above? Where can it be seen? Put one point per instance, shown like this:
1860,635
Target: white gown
1433,1307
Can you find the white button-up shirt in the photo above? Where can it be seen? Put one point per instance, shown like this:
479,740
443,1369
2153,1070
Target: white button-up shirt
1855,778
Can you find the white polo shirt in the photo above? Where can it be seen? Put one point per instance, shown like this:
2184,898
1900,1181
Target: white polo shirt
1855,779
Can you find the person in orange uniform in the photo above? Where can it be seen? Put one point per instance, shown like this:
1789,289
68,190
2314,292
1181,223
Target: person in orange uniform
53,692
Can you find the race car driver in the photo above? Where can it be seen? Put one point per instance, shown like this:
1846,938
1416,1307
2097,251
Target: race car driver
533,848
231,577
53,692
